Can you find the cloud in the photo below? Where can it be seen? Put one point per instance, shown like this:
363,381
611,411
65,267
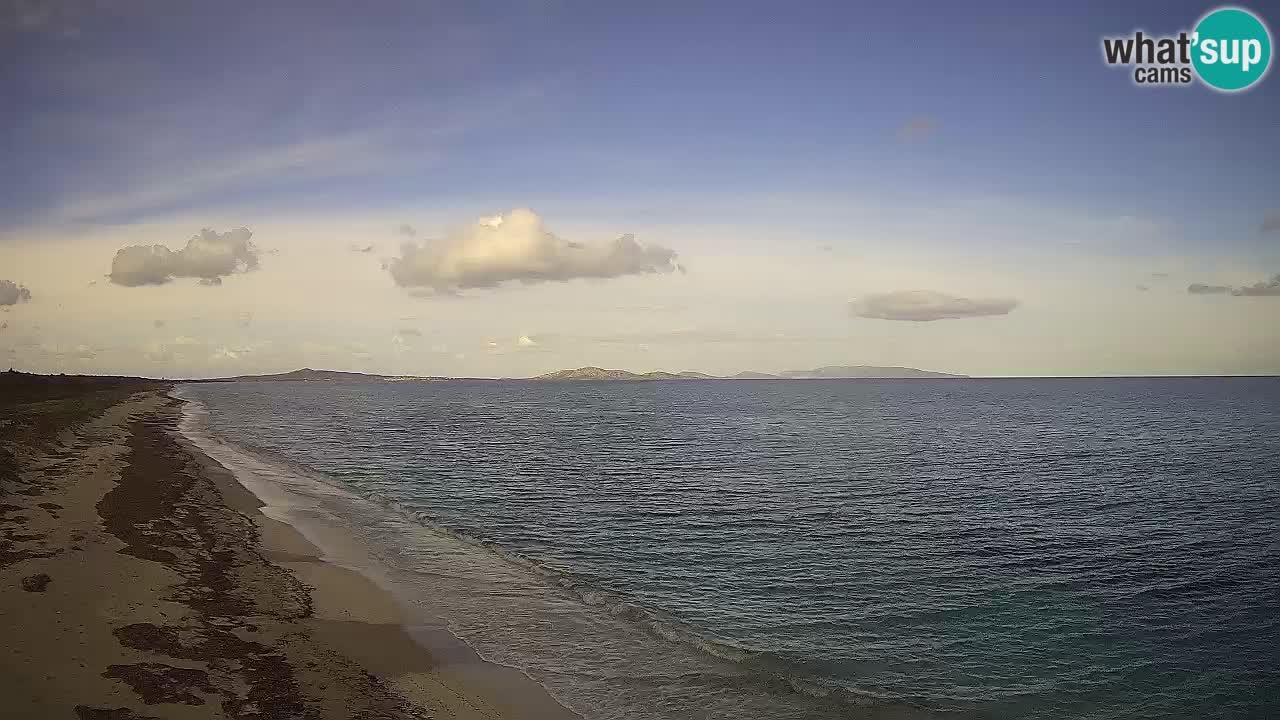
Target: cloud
323,158
407,229
917,127
179,348
12,293
1266,288
157,323
1271,222
517,247
209,256
223,353
353,247
522,344
1202,289
684,336
41,15
927,305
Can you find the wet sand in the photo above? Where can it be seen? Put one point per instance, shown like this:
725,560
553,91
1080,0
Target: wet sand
138,579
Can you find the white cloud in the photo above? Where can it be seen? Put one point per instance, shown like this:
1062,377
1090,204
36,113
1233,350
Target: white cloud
208,256
517,247
927,305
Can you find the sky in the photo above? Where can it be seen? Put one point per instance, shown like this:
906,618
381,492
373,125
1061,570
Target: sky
506,189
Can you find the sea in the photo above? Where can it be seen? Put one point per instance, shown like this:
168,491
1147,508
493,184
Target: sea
1004,548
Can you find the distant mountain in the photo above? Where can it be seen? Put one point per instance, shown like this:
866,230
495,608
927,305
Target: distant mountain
865,371
596,373
592,373
309,375
601,374
830,371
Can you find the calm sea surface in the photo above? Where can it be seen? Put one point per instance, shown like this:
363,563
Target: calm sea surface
815,549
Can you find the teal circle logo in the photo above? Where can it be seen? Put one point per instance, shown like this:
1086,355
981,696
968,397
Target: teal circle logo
1231,49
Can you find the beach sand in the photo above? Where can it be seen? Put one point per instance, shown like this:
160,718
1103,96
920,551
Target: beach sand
138,579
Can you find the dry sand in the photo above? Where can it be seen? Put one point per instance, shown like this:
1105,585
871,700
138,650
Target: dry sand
138,579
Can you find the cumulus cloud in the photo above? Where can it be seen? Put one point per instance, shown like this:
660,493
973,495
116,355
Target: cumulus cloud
1266,288
517,247
11,293
209,257
927,305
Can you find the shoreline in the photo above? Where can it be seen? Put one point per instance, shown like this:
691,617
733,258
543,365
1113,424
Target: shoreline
128,590
419,660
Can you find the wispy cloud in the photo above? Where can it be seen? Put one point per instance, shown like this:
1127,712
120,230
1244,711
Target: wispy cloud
295,162
927,306
917,128
42,15
1203,289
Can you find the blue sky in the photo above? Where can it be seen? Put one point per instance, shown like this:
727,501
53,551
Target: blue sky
732,129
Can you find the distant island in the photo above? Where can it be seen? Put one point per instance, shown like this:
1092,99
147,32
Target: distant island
597,374
826,372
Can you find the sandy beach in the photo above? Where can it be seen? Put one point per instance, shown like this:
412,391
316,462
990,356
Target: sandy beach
138,579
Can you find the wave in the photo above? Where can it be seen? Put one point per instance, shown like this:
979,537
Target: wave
758,669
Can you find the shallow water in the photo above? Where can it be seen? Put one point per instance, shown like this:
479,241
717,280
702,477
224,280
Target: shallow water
1006,548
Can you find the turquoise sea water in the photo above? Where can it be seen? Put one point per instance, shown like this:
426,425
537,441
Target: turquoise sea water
989,549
